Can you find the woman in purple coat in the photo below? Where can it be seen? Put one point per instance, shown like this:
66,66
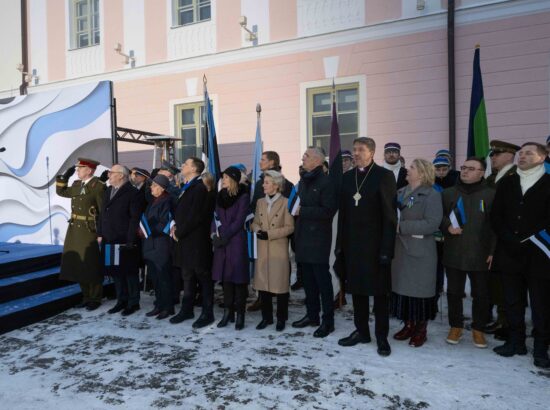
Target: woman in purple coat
230,264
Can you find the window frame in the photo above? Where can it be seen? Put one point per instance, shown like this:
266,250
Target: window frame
311,92
198,126
195,6
93,8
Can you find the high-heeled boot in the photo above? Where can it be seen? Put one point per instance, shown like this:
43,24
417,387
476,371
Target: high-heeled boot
419,336
228,316
239,322
406,332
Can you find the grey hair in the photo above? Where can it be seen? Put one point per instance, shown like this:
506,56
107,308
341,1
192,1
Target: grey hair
277,178
125,171
319,152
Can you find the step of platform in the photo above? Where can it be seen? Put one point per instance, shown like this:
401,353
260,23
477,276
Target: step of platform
16,287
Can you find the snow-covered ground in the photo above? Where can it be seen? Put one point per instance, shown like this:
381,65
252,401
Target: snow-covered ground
93,360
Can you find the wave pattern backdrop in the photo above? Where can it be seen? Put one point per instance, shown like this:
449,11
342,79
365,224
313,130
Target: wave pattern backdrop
43,134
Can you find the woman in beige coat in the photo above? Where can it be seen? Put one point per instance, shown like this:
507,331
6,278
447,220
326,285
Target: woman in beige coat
273,224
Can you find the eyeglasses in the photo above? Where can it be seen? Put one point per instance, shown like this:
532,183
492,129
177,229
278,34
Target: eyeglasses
471,169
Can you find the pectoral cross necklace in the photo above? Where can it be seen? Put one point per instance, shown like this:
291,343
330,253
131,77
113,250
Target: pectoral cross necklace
357,195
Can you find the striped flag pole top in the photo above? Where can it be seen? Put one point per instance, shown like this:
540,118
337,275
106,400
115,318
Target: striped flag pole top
258,149
478,131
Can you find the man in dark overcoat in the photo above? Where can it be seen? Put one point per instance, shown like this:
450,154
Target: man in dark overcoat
193,216
117,233
521,221
313,239
81,255
367,224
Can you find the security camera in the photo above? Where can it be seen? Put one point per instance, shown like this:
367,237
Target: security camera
242,21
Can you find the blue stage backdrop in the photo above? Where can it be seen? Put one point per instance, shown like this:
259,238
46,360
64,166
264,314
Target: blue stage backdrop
43,134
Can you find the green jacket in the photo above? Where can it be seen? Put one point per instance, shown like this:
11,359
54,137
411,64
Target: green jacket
81,260
469,250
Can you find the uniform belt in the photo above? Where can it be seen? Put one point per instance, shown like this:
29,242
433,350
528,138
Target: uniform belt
82,218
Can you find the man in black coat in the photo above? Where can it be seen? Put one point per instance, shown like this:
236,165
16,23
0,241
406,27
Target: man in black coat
313,238
194,212
392,153
521,221
117,233
367,224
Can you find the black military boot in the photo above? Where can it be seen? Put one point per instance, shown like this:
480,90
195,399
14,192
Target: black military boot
204,319
540,354
228,316
239,322
511,348
181,316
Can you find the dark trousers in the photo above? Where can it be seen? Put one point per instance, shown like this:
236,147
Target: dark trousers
496,293
191,279
177,284
162,283
91,292
234,296
318,282
381,315
440,270
127,289
456,280
266,298
515,287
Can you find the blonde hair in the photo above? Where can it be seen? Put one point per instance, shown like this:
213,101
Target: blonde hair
277,179
233,187
426,171
208,181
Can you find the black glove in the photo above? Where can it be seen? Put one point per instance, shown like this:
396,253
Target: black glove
262,235
385,260
69,173
104,176
218,242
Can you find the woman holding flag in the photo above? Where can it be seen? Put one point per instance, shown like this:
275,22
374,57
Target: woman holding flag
230,264
157,246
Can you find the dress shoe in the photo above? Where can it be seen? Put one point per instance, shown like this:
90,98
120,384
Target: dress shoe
511,348
540,354
305,322
324,330
203,320
153,312
81,305
117,308
239,322
92,306
406,332
255,306
163,315
384,348
181,316
353,339
297,285
228,316
419,336
264,323
130,310
280,325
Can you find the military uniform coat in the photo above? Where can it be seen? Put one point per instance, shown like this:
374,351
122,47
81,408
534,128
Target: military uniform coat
367,231
415,261
272,267
81,261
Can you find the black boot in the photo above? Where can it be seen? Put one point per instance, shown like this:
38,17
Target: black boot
264,323
511,348
239,322
153,312
384,348
204,319
305,322
181,316
354,339
117,308
280,325
540,354
228,316
324,330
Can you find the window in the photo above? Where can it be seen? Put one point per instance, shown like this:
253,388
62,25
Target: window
85,23
189,127
190,11
319,104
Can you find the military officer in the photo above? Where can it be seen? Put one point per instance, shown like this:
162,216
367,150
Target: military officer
502,155
81,261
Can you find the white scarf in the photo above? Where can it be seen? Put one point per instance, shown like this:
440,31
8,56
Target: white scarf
271,201
530,177
394,168
503,171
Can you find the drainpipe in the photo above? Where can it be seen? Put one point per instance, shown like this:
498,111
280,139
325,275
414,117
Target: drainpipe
451,77
24,48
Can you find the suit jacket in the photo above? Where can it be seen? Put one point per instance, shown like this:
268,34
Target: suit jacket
517,216
402,178
193,215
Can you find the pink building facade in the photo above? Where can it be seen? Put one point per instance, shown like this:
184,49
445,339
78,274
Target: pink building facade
388,59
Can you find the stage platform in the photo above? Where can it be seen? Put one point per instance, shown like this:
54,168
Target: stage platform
30,288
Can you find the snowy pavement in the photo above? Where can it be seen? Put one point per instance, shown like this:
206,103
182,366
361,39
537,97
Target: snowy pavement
93,360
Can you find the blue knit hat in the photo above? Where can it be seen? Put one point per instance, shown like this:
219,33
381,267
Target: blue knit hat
441,162
443,153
